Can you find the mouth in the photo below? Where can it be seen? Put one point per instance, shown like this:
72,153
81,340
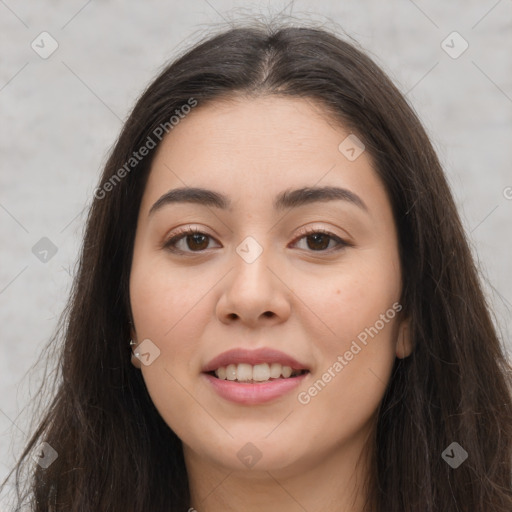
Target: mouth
251,377
245,373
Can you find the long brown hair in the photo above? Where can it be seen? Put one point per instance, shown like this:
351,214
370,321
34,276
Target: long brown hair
114,450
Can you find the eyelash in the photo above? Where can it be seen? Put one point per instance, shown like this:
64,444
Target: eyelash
170,244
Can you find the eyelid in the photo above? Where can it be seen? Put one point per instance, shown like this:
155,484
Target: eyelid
341,242
180,233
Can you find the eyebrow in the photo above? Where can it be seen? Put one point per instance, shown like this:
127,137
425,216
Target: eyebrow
284,200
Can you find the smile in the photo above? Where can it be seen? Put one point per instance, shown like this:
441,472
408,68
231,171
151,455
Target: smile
263,372
254,376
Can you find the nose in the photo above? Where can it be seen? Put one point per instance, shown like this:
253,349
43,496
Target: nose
253,294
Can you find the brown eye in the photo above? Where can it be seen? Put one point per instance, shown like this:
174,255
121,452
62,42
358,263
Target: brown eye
189,240
321,241
318,241
197,241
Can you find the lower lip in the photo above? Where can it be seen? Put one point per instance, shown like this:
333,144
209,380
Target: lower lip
249,394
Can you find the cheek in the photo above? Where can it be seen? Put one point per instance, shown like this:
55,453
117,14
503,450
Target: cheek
164,301
360,306
356,327
353,298
171,309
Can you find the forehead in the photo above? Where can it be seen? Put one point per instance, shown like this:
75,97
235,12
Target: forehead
243,126
253,148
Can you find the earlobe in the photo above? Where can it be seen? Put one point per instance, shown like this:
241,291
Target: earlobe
404,345
135,360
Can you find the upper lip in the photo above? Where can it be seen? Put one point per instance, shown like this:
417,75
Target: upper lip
257,356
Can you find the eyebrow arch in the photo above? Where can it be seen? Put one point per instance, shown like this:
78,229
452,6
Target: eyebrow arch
287,199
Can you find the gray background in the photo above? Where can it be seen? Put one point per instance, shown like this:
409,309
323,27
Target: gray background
60,116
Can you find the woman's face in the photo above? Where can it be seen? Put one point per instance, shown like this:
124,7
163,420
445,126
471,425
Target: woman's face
293,266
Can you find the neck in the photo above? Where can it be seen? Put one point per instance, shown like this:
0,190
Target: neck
334,482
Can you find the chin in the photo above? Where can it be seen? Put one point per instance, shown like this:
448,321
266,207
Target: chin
248,451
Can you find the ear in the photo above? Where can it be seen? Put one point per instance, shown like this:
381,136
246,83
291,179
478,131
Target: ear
404,344
134,360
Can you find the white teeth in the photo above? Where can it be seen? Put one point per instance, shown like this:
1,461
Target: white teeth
275,370
231,373
244,372
286,371
260,372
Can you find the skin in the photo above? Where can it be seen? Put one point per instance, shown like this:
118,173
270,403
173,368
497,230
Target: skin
308,303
